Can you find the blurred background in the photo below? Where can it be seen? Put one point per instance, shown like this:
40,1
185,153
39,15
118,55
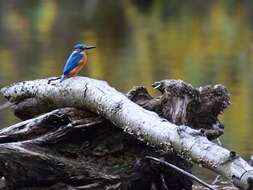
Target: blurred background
138,42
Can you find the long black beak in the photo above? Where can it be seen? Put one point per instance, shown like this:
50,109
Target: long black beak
90,47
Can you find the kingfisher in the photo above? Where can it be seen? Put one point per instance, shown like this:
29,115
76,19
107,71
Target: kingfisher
75,62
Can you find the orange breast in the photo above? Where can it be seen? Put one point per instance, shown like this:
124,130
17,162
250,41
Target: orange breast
77,69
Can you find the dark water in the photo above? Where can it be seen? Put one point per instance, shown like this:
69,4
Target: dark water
139,42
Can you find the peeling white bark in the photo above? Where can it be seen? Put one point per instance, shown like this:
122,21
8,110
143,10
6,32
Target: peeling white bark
147,126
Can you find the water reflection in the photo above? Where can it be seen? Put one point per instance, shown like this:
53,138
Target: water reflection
139,42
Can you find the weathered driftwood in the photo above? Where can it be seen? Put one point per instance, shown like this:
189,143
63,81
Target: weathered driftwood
192,177
76,149
180,104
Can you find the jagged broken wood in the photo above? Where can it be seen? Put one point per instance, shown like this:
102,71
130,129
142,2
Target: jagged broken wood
147,126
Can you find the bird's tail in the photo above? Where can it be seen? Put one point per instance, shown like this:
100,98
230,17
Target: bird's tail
62,78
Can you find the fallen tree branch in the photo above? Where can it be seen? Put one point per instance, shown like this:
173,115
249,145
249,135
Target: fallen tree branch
147,126
192,177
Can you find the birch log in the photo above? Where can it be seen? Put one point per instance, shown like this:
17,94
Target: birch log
147,126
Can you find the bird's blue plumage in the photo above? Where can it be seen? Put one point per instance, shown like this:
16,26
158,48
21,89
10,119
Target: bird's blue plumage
72,62
62,77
